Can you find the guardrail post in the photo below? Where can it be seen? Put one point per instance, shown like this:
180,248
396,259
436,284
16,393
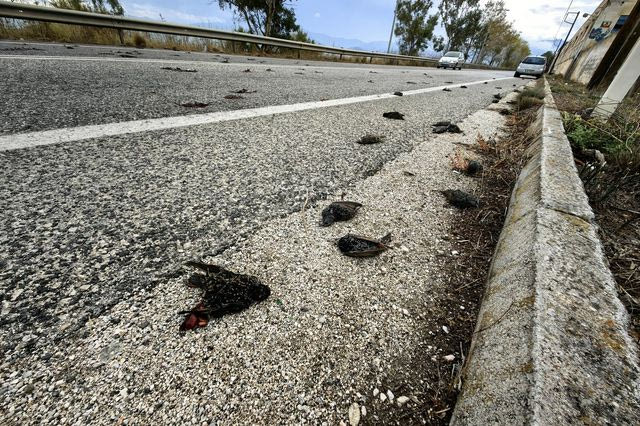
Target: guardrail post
299,53
370,59
341,56
233,47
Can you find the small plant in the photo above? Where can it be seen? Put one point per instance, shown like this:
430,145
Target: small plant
458,162
530,97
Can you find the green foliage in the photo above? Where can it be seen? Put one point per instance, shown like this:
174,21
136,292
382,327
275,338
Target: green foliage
530,97
302,36
460,19
587,135
496,42
270,18
108,7
415,26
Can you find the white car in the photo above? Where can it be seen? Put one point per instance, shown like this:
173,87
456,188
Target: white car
451,60
532,65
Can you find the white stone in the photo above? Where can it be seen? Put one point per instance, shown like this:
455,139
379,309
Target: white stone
402,400
354,414
390,395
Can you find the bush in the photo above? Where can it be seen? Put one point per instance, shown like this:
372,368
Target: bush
530,97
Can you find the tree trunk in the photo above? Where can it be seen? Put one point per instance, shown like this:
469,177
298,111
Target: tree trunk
270,11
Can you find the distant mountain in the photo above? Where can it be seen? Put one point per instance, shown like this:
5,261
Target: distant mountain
351,43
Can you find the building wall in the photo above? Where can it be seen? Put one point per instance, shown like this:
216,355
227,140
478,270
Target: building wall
582,55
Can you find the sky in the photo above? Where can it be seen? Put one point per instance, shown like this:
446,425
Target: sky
367,21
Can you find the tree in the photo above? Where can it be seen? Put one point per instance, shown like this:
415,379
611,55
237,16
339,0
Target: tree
302,36
460,19
108,7
271,18
494,12
415,26
550,56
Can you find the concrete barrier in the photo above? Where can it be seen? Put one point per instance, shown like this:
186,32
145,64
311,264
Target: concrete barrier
551,345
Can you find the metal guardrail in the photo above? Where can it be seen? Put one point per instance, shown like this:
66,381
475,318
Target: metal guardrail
65,16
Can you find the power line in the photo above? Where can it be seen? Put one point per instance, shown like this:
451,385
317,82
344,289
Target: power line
555,37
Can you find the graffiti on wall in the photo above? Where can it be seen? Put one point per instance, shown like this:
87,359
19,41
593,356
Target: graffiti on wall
605,30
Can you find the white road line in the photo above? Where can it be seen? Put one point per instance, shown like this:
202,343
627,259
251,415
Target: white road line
74,134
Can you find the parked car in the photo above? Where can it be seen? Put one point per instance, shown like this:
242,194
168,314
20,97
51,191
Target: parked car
451,60
532,65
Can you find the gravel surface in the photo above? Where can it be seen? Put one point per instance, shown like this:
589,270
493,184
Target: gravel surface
42,94
336,336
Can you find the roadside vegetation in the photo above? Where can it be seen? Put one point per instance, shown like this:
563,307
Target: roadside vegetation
607,155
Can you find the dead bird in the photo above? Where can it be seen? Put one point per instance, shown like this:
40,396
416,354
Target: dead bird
448,82
241,91
225,292
473,167
398,93
463,87
247,70
370,81
393,115
194,105
178,69
411,82
446,89
233,97
357,246
446,127
269,70
339,211
370,139
460,199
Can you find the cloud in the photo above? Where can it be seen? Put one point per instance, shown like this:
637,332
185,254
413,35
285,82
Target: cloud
538,21
149,11
316,15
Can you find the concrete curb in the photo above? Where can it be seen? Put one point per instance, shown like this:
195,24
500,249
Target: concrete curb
551,345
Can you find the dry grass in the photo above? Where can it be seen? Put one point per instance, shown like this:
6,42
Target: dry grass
459,162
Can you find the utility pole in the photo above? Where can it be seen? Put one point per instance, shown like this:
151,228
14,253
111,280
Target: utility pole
559,50
393,26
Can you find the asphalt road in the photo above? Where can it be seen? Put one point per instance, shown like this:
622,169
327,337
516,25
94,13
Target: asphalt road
88,223
44,90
